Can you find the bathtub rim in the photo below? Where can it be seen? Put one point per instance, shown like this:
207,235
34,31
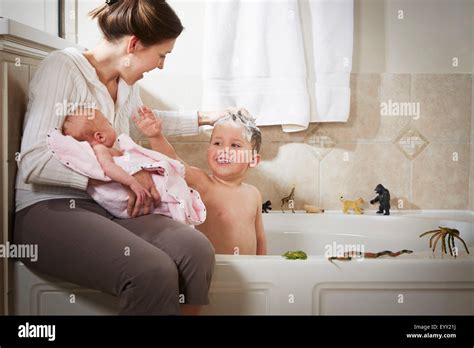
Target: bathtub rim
442,214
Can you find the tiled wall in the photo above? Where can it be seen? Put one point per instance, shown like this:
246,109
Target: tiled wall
426,163
472,145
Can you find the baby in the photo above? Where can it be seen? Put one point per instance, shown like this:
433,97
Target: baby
234,209
92,126
88,148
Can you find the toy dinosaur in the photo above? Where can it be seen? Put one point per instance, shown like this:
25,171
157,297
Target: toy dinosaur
356,205
290,200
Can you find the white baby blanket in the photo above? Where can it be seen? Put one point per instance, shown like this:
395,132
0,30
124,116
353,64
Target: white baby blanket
178,201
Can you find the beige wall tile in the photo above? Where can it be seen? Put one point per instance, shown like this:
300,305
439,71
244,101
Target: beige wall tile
395,88
438,181
472,177
194,154
472,108
365,120
364,116
204,136
445,104
275,134
367,166
283,166
472,144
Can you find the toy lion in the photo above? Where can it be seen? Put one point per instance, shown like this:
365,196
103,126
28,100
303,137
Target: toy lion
356,205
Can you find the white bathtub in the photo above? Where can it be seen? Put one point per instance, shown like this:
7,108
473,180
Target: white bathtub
415,284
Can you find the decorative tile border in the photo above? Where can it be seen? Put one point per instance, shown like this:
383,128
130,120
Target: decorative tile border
411,142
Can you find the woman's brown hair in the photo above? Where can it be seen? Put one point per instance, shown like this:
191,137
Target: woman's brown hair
152,21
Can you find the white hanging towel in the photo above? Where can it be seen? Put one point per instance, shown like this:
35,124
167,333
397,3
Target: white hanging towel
333,32
254,57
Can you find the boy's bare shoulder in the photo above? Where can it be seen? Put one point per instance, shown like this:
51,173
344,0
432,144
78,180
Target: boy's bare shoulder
202,181
254,191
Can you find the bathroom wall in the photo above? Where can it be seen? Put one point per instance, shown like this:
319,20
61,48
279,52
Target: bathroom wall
421,55
472,145
423,162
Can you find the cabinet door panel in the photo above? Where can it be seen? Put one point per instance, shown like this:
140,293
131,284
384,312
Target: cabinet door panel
17,98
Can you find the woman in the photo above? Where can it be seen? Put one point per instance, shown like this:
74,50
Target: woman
152,263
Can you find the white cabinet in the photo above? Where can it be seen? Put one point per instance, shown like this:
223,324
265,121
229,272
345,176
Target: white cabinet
21,50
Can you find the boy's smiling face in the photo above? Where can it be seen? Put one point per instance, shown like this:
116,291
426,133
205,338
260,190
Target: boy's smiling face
230,154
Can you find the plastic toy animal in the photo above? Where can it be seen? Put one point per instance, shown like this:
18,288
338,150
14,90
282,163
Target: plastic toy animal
266,206
354,205
312,209
290,200
348,255
443,233
295,255
383,197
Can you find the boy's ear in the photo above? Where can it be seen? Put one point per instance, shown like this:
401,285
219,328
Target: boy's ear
255,161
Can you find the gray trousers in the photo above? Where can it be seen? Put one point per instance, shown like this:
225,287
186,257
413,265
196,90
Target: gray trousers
152,263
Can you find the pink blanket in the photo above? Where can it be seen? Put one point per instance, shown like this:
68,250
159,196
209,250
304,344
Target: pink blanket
178,201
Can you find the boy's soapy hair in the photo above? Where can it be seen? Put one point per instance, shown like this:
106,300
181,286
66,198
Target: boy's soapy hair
241,118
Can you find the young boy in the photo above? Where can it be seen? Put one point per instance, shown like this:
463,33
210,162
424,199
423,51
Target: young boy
234,209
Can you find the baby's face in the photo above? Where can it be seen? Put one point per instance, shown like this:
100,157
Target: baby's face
229,153
105,128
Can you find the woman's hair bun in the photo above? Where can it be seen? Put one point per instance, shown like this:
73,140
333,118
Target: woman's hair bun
152,21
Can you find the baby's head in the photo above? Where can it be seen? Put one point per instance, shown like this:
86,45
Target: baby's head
90,125
235,144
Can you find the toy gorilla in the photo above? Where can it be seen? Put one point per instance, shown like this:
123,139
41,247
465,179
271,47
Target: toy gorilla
266,206
383,197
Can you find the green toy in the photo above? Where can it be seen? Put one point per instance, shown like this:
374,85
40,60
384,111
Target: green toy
295,255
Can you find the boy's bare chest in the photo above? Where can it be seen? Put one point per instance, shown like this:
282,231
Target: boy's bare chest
230,221
228,205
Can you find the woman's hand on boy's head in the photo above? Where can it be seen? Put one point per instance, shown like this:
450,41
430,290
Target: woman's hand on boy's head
147,123
208,118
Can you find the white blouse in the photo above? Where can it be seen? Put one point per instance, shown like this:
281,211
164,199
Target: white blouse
64,81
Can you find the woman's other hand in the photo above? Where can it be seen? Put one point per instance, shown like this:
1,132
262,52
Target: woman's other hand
134,208
141,193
